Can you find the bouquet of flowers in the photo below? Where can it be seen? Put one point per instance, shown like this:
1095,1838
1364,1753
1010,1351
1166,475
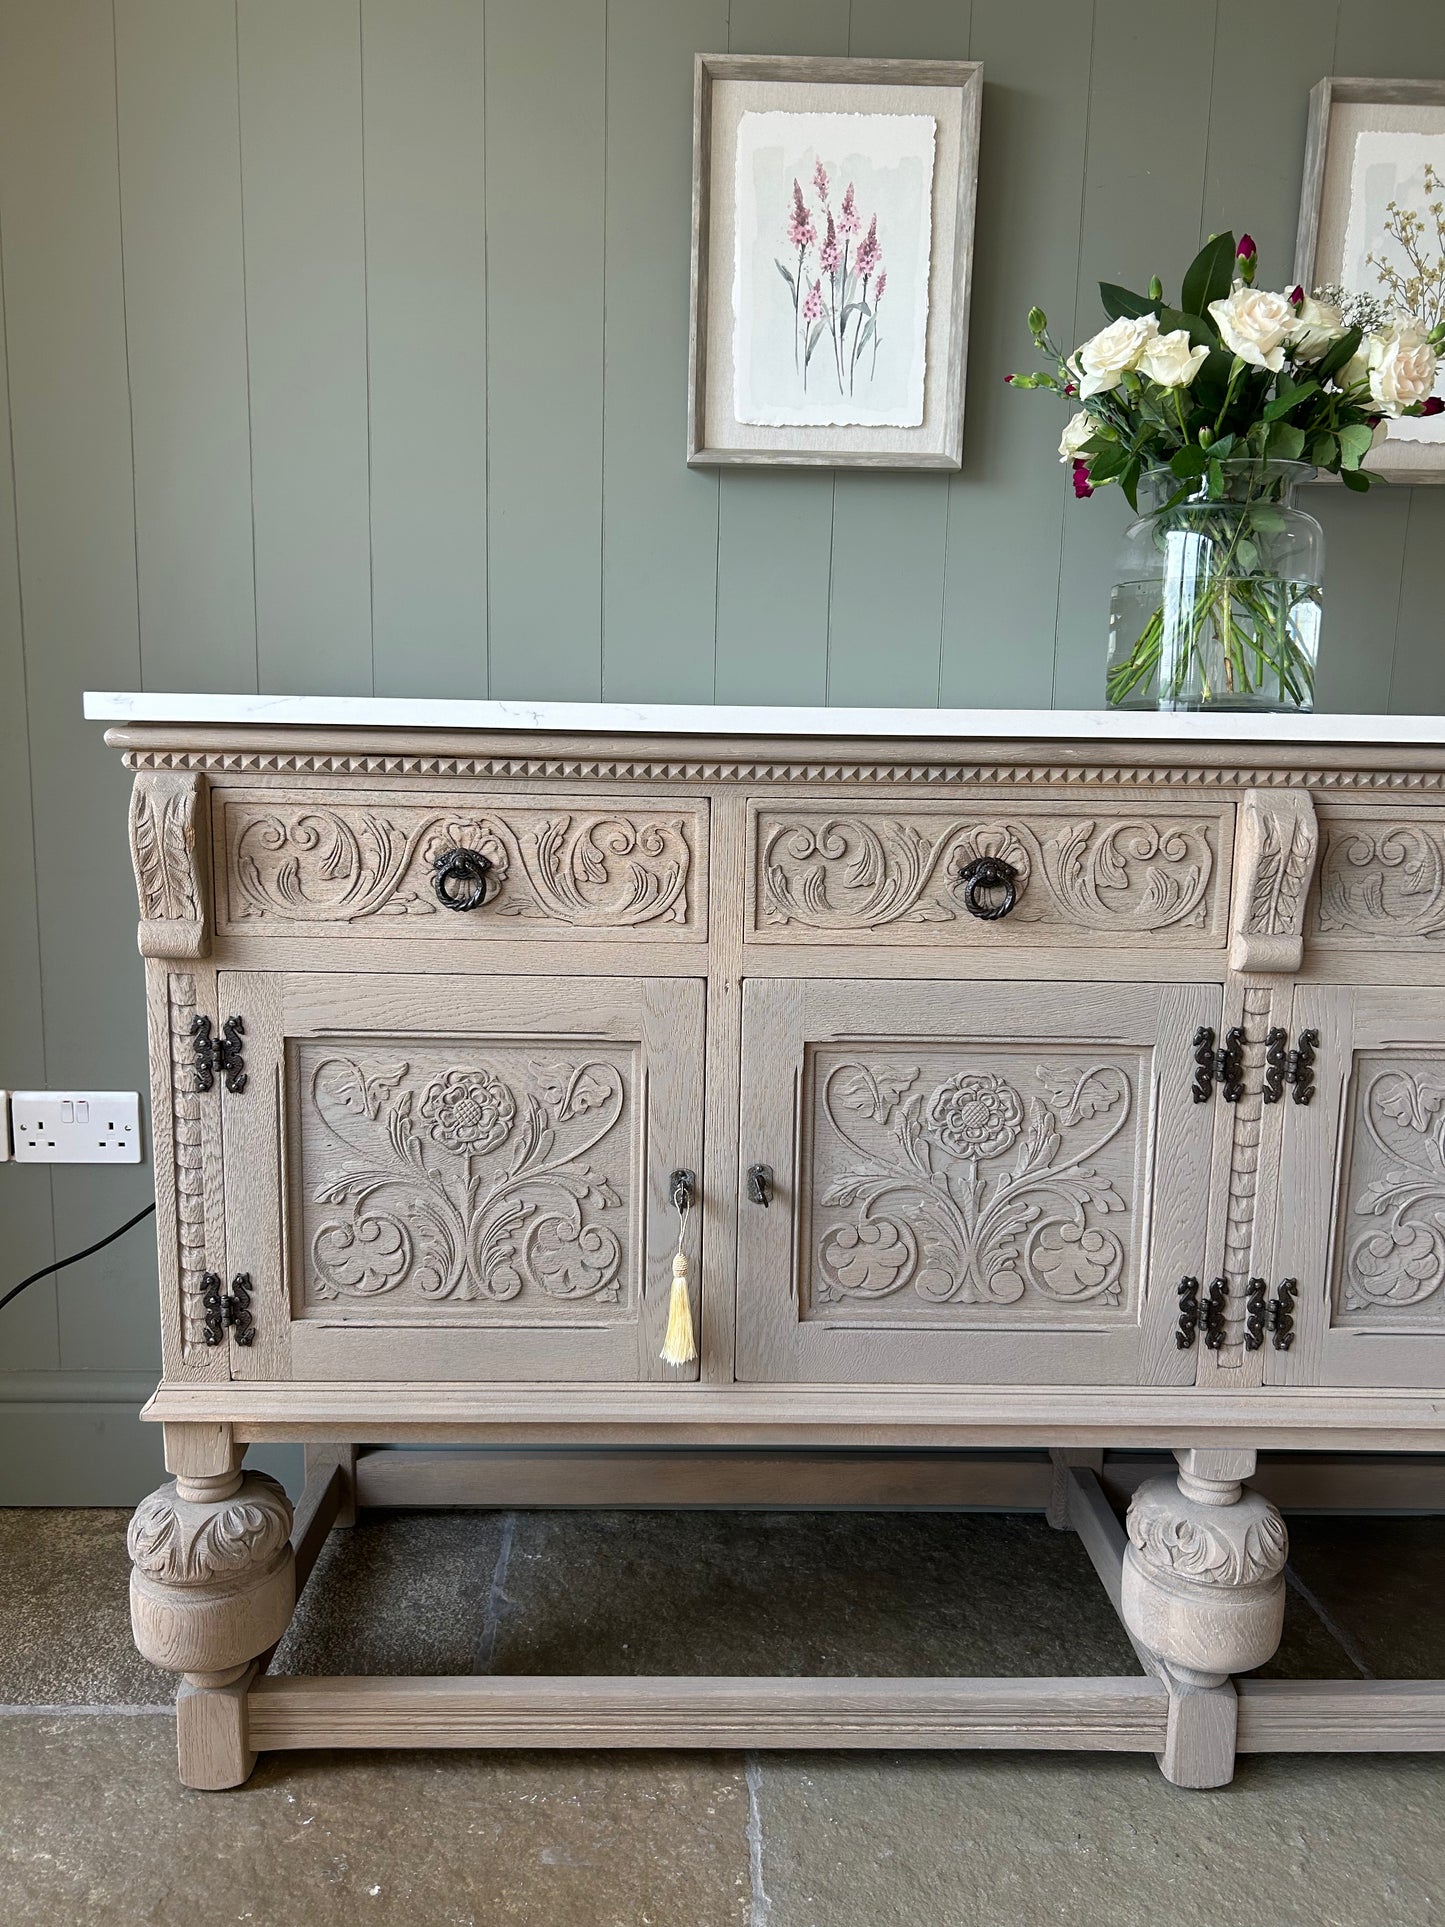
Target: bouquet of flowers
1209,399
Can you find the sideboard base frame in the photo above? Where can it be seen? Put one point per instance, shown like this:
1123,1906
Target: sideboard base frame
1194,1734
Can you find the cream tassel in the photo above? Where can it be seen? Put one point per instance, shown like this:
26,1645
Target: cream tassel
679,1347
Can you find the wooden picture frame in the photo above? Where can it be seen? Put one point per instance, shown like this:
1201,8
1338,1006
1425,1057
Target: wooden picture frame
1341,109
725,88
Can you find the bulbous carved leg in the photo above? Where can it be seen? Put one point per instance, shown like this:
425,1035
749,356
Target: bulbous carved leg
212,1587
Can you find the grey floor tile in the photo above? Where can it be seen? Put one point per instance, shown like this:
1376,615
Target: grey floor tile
94,1830
65,1613
847,1592
1016,1840
407,1592
1380,1584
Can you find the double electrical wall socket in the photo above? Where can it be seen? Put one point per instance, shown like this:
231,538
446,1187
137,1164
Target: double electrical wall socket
75,1127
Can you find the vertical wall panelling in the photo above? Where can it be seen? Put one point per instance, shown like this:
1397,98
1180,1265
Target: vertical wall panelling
1418,685
301,162
1149,101
1006,506
775,531
65,332
660,519
546,199
28,1337
890,532
422,123
1364,554
180,182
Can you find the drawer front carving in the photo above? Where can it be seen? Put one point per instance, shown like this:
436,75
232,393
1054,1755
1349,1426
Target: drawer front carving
572,867
894,873
1381,877
1390,1253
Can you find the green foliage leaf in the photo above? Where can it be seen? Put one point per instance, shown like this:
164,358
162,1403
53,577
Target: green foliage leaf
1129,482
1216,481
1113,461
1189,461
1202,333
1209,276
1324,452
1352,478
1288,399
1331,362
1356,439
1123,302
1286,443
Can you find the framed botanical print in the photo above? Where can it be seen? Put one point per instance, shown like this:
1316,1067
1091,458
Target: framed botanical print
832,250
1372,227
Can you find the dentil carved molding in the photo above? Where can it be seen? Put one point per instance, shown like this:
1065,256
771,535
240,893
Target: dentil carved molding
1394,1263
166,832
867,871
1382,880
343,863
972,1186
1276,844
479,1179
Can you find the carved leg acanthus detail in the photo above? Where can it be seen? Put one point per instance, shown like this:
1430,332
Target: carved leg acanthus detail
212,1587
1203,1583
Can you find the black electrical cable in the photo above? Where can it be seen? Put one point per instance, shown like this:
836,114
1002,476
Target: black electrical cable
61,1263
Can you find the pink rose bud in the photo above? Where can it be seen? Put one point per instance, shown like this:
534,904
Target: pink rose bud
1434,406
1009,380
1083,487
1296,296
1246,250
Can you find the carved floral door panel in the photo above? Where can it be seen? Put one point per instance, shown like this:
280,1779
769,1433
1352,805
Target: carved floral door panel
971,1182
1361,1220
474,1173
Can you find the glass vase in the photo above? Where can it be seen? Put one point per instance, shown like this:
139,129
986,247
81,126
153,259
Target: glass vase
1216,604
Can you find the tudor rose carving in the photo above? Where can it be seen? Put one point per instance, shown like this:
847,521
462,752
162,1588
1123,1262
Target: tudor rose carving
476,1181
1395,1260
915,1191
857,871
322,863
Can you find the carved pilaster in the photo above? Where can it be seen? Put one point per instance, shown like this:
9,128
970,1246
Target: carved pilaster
1203,1582
166,839
1277,843
212,1575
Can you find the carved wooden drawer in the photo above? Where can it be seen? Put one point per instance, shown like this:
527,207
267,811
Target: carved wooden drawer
365,863
1381,877
826,871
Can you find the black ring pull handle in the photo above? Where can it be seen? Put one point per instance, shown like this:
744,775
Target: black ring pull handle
459,878
989,873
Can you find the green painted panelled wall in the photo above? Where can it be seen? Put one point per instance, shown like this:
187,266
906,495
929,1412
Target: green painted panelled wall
345,345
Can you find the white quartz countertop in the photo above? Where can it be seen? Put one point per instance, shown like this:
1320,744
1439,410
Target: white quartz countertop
726,719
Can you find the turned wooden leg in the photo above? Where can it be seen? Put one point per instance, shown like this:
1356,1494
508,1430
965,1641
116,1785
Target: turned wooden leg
212,1587
1203,1590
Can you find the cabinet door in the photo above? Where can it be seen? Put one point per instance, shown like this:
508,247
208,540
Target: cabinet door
472,1173
971,1182
1361,1223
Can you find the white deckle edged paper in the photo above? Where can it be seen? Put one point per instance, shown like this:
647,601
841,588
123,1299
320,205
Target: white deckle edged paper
848,357
1388,166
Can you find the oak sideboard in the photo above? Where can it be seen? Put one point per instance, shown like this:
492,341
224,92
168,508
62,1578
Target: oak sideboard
972,1078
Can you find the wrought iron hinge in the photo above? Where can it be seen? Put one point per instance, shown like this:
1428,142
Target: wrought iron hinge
1300,1070
1211,1315
231,1312
1254,1314
1276,1063
1224,1066
1281,1314
1188,1327
221,1054
760,1184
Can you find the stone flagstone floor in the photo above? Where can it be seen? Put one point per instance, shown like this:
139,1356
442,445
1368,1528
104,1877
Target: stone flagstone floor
94,1831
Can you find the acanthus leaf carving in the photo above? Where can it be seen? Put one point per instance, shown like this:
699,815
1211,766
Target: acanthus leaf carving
869,871
165,836
345,863
469,1182
923,1198
1386,880
1395,1261
188,1543
1277,846
1243,1544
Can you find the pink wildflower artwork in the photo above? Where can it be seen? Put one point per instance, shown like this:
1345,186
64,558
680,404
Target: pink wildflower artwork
841,298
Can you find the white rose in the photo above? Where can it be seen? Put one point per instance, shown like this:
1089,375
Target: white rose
1079,430
1254,325
1103,360
1402,370
1318,326
1171,360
